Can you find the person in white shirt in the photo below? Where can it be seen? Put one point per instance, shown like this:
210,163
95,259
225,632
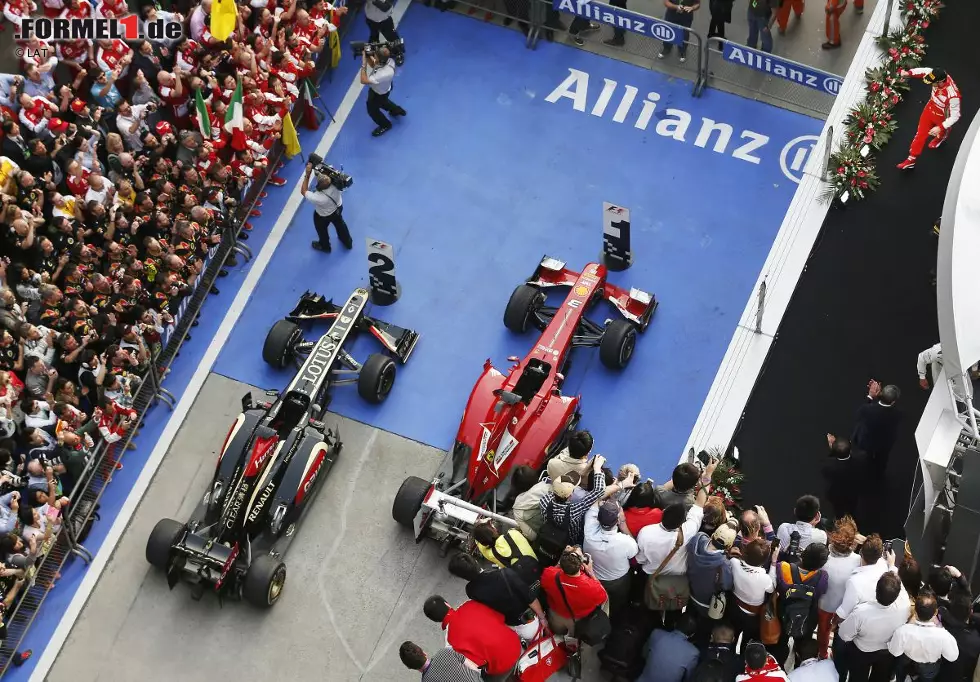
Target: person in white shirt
328,209
807,512
378,72
752,585
840,565
864,634
663,546
861,586
930,360
923,642
809,667
608,541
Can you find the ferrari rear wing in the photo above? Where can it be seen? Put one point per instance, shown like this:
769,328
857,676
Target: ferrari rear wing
633,304
400,341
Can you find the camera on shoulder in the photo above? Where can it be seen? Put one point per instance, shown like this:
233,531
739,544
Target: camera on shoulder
338,178
395,47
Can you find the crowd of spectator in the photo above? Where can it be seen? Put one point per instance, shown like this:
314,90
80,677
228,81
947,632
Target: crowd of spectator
112,201
666,584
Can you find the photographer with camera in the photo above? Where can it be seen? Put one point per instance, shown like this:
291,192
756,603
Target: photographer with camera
327,202
377,72
379,21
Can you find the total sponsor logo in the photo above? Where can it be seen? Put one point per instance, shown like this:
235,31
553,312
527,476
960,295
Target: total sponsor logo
674,123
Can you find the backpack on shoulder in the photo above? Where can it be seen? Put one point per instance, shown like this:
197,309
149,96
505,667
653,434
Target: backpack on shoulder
553,537
622,654
798,617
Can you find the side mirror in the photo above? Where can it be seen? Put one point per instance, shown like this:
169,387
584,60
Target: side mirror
559,376
513,358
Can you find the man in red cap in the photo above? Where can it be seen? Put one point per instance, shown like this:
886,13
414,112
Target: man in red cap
941,112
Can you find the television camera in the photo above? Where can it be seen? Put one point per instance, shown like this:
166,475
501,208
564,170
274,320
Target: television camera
395,47
338,178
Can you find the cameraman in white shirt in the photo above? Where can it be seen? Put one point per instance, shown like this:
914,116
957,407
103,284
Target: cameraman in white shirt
378,72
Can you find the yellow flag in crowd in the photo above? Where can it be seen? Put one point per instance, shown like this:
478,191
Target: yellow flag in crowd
334,43
224,14
290,139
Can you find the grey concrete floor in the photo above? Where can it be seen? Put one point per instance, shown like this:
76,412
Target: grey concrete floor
354,589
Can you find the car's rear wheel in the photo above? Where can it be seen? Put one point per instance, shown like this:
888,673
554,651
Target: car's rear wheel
521,307
280,343
264,581
408,500
376,378
160,542
617,344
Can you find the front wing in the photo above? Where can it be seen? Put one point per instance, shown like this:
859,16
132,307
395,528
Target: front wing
400,341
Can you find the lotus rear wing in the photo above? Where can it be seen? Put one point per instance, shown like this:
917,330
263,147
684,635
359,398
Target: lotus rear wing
633,304
400,341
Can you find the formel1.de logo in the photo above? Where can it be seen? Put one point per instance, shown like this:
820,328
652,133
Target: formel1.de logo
129,27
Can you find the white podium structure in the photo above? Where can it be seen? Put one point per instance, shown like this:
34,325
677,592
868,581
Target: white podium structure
944,523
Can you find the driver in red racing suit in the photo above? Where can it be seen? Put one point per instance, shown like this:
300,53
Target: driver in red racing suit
939,114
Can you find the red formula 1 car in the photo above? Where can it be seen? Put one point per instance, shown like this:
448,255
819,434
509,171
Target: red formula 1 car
521,417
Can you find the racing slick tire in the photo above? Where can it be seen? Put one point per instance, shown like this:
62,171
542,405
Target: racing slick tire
264,581
617,344
280,342
161,541
521,306
408,500
376,378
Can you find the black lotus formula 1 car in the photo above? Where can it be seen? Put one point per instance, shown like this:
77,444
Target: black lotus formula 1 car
276,456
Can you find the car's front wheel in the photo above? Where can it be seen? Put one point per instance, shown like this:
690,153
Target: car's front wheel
161,540
280,343
264,581
617,344
376,378
523,303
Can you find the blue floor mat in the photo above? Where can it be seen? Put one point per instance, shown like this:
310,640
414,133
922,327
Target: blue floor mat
507,154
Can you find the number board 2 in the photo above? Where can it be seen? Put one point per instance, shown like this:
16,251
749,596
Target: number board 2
381,272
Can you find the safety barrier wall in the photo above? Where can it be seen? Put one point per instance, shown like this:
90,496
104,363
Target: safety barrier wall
771,76
97,474
750,72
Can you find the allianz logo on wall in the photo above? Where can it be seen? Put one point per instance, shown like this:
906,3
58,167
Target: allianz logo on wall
678,124
782,68
621,18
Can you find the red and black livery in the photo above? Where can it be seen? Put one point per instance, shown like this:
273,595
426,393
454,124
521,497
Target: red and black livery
276,456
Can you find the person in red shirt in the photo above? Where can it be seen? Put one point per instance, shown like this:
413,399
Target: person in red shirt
642,508
479,633
583,593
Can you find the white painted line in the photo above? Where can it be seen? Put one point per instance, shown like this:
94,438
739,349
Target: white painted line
747,352
98,565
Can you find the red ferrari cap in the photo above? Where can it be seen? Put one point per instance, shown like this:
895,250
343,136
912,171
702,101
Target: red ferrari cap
77,106
164,128
57,126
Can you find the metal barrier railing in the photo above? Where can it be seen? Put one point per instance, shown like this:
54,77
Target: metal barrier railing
625,33
763,74
97,474
513,13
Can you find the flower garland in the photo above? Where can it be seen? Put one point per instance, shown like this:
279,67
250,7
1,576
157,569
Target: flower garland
726,481
870,124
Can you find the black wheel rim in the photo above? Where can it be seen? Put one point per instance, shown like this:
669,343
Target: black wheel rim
626,351
386,381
